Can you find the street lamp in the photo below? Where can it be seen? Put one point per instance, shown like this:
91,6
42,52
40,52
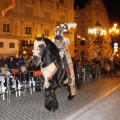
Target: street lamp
114,33
114,30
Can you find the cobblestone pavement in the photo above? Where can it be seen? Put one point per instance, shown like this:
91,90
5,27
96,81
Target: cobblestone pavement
31,107
106,109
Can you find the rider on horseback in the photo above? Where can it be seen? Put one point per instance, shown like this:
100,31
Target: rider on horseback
63,50
62,43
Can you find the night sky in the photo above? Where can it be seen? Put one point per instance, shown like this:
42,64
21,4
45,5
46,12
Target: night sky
112,6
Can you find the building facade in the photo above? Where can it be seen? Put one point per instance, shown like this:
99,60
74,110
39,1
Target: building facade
31,18
93,15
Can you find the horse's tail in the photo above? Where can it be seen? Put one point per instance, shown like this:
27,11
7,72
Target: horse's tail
77,81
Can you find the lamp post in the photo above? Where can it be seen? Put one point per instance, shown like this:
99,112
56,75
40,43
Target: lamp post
114,34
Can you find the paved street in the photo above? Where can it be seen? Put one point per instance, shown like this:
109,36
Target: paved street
105,109
91,103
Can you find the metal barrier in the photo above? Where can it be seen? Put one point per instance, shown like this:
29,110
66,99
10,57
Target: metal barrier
7,91
85,72
80,71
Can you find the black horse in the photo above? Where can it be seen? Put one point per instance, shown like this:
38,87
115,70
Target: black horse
46,54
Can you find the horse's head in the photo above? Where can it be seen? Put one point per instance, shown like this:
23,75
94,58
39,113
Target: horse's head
39,50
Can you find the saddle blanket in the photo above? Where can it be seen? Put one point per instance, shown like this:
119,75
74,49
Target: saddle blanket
49,71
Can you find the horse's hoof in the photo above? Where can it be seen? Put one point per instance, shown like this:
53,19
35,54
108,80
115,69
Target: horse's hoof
52,110
70,97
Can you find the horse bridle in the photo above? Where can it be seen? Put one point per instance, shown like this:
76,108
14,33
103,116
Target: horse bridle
36,49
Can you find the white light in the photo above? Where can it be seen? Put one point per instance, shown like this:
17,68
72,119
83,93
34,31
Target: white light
103,32
24,52
83,39
94,31
115,44
115,49
78,36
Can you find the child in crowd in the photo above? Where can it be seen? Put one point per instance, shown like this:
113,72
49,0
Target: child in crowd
7,68
24,79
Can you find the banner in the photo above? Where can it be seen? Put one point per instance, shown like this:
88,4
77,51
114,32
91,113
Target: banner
12,5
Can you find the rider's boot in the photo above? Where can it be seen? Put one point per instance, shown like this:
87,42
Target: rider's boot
68,74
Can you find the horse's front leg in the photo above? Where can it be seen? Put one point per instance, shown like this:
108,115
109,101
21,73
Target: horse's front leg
50,98
54,101
47,95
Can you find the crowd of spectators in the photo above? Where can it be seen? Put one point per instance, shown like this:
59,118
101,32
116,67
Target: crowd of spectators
13,62
23,65
107,65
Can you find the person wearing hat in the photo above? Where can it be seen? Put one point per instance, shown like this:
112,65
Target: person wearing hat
63,50
62,43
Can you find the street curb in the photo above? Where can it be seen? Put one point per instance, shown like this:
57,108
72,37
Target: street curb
82,110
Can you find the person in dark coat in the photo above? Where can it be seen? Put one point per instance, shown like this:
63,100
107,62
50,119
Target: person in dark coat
11,63
2,62
20,61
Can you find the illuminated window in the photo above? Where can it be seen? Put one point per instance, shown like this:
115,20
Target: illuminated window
28,30
11,45
47,33
6,27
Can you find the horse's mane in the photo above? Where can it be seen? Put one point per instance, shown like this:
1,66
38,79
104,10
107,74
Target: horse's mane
52,48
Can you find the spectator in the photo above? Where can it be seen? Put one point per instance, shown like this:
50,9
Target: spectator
20,61
7,68
6,59
2,62
11,63
14,56
24,79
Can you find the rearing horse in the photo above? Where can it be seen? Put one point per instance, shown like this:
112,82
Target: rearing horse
46,54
